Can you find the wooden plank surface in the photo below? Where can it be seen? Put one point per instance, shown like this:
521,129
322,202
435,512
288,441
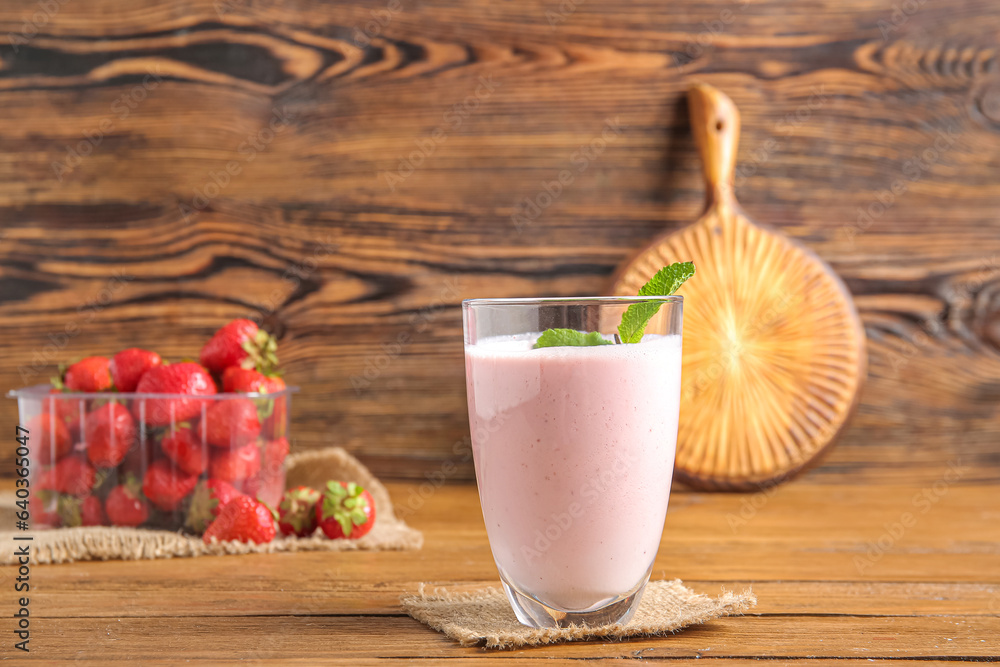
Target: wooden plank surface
278,638
934,593
145,240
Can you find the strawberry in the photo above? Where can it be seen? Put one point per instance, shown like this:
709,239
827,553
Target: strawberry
42,505
86,511
48,437
128,366
346,510
71,475
275,452
110,433
274,383
236,379
243,380
165,486
90,374
125,505
297,511
137,461
231,423
75,426
242,519
208,498
265,487
67,408
231,465
275,424
240,343
269,483
182,378
186,450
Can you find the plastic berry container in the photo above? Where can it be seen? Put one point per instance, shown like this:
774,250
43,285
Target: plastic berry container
159,461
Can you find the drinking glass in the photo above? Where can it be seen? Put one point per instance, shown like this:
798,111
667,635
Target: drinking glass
574,451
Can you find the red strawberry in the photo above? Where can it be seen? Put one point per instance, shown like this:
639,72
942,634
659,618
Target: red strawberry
265,487
185,448
273,411
48,437
240,343
75,427
275,452
125,505
275,424
90,374
137,460
346,510
231,465
110,433
182,378
243,380
86,511
45,478
242,519
67,408
43,506
297,511
207,500
128,366
269,484
232,422
71,475
274,383
165,486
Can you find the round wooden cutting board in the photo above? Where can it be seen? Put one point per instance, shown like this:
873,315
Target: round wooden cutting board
774,350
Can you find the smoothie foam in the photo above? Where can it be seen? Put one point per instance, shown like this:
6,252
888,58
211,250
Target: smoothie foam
594,425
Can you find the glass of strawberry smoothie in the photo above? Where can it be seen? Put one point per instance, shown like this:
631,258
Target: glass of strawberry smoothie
574,450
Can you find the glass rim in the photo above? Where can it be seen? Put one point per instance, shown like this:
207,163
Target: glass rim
571,300
41,391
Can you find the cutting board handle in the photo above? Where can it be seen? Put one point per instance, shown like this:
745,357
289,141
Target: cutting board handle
715,123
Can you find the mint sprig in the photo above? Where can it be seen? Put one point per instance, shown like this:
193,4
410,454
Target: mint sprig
666,281
569,338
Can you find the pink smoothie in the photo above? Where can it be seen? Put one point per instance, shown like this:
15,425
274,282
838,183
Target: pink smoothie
574,451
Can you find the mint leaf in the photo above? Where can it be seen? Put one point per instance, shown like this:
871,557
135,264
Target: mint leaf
666,281
569,338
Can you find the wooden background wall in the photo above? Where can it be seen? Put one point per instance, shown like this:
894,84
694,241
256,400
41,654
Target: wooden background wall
871,134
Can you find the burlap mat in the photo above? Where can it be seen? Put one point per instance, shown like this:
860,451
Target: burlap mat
485,616
65,545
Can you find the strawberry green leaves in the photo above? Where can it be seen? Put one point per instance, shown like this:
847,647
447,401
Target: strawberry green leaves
346,505
569,338
666,281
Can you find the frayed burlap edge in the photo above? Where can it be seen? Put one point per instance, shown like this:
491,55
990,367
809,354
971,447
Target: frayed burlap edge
65,545
485,617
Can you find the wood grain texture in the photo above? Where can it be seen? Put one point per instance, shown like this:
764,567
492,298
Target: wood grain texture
870,135
933,594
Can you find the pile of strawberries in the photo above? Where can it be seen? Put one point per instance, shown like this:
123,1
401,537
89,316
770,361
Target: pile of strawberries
342,510
176,461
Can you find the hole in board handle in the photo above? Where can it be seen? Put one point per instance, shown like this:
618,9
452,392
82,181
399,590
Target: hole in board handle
718,125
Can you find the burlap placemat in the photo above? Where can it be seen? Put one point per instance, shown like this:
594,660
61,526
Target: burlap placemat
484,616
65,545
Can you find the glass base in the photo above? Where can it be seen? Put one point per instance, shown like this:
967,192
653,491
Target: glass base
535,614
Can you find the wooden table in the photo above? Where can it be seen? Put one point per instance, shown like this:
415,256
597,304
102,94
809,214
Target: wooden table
835,577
